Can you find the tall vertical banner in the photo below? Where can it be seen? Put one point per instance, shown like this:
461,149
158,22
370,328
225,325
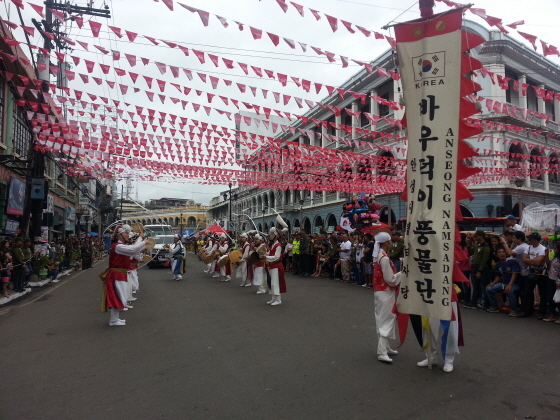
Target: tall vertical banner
430,61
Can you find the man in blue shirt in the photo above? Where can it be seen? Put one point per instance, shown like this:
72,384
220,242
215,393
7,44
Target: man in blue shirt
506,275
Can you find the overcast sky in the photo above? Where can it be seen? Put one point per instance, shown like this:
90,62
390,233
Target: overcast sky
154,19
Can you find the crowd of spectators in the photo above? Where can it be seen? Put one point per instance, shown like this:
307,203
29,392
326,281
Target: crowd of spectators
20,258
510,272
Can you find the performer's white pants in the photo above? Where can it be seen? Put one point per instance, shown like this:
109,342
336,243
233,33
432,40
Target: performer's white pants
241,272
134,280
385,319
114,315
436,335
223,270
122,290
259,278
274,282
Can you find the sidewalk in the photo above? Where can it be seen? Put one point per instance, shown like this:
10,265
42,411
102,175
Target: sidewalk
34,284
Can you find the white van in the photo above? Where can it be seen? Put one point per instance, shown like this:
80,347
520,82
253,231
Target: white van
154,230
160,254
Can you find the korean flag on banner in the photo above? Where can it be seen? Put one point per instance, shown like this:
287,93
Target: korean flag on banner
429,65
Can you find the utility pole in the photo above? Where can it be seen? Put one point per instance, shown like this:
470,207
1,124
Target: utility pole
38,187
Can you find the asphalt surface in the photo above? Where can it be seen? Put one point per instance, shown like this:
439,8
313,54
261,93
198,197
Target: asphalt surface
204,349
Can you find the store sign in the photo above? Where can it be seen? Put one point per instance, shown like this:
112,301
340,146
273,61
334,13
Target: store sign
50,204
16,197
11,226
70,218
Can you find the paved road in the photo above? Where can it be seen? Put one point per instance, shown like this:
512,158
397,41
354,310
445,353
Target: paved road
203,349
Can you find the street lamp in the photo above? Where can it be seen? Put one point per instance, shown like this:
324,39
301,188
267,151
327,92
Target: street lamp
264,209
87,216
181,224
519,183
301,214
79,215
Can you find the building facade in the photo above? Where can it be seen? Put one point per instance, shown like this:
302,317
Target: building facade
524,147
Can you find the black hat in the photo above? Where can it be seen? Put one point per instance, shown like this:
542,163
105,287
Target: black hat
535,236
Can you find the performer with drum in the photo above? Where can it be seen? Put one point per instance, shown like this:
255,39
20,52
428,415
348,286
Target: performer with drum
224,265
211,246
258,261
275,268
177,258
115,280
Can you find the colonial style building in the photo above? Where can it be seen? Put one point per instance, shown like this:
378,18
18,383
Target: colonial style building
530,155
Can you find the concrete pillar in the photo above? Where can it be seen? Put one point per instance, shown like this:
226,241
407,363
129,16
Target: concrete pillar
541,105
373,105
545,177
355,120
556,109
338,133
496,92
522,99
324,141
301,140
397,114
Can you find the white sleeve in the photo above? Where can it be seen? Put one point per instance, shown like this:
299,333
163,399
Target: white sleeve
130,250
138,256
390,278
246,250
224,249
276,256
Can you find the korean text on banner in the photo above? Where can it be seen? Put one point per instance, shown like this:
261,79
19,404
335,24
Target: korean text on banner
430,57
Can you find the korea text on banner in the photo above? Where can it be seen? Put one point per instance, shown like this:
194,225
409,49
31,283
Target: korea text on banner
430,60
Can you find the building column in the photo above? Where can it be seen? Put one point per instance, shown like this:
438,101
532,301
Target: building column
522,99
301,140
338,121
324,132
556,109
545,177
373,105
541,105
355,120
397,114
496,92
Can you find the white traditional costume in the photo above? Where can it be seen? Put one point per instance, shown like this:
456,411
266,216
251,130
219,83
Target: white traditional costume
259,274
385,284
275,269
225,270
241,272
115,290
210,248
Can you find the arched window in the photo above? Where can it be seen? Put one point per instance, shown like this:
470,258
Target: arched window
386,164
384,216
535,169
553,168
331,222
318,224
465,211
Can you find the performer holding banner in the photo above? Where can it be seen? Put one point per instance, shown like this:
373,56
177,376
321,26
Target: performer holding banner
275,268
385,284
115,277
434,59
177,258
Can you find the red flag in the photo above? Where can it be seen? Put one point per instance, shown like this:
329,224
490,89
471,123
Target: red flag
95,28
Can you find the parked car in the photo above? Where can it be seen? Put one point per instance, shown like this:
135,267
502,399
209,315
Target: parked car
160,254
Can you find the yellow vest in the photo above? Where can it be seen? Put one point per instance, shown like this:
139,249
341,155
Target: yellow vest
295,250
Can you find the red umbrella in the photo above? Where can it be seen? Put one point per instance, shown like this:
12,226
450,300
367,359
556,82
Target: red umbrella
213,229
